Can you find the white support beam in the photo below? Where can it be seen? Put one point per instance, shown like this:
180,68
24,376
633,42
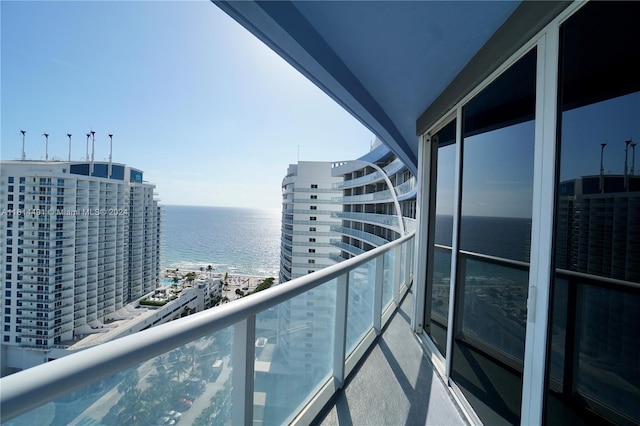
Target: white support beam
340,335
377,294
243,377
544,190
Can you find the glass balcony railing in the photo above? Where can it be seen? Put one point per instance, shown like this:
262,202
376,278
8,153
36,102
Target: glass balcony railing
271,358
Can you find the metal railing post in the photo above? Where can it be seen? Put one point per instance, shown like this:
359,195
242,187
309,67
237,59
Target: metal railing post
340,335
377,294
243,377
397,275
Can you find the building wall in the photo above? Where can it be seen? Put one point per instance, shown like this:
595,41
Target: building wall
66,251
370,187
307,217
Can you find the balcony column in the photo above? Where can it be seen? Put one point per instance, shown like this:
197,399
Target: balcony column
243,377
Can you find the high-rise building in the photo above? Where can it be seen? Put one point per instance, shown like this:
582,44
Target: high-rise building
81,240
308,216
363,206
378,201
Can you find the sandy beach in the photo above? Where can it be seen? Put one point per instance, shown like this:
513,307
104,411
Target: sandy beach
231,282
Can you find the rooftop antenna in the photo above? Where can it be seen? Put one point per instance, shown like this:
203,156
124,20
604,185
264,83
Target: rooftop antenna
110,152
602,166
93,147
86,157
633,158
69,136
46,152
24,156
626,168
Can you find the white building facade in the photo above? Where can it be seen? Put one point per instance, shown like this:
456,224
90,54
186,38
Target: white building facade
80,241
308,215
378,201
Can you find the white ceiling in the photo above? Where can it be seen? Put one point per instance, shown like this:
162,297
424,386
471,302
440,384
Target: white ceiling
384,61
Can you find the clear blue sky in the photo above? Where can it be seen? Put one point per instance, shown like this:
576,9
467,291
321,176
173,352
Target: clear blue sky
210,114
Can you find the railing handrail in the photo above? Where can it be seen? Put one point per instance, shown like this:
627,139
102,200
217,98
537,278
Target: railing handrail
31,388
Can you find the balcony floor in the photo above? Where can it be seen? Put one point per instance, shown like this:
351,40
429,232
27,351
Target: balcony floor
395,384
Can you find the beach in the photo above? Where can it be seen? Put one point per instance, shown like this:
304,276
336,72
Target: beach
231,282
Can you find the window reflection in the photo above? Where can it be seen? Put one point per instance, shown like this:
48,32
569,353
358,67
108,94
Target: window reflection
495,234
593,368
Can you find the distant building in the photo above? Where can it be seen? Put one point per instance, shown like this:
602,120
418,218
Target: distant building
80,241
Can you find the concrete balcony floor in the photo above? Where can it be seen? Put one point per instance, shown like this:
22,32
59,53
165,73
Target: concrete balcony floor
395,384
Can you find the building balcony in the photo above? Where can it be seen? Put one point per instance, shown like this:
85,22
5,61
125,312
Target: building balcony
373,218
357,311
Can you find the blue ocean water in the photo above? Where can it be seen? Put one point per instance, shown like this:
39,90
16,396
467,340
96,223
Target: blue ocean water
233,240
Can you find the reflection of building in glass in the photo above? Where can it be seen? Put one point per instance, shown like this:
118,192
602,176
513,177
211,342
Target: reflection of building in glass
82,241
597,230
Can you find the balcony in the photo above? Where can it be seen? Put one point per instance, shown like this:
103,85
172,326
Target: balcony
338,328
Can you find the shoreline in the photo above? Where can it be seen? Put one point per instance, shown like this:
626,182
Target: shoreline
244,282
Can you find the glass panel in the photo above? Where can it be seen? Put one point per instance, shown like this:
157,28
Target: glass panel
360,304
403,264
294,353
190,385
496,207
594,374
495,301
389,276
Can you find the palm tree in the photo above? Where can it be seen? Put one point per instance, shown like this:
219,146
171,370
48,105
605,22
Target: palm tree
129,382
180,365
209,269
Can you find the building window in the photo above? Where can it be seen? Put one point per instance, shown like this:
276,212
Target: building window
312,250
314,186
310,271
311,261
314,197
313,218
312,229
312,240
313,207
593,370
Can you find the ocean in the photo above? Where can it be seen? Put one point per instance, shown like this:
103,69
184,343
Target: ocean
234,240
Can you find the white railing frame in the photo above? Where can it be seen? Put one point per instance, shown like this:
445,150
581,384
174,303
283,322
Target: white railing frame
36,386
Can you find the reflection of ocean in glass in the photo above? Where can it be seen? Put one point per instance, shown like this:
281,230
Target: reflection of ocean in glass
495,305
504,237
